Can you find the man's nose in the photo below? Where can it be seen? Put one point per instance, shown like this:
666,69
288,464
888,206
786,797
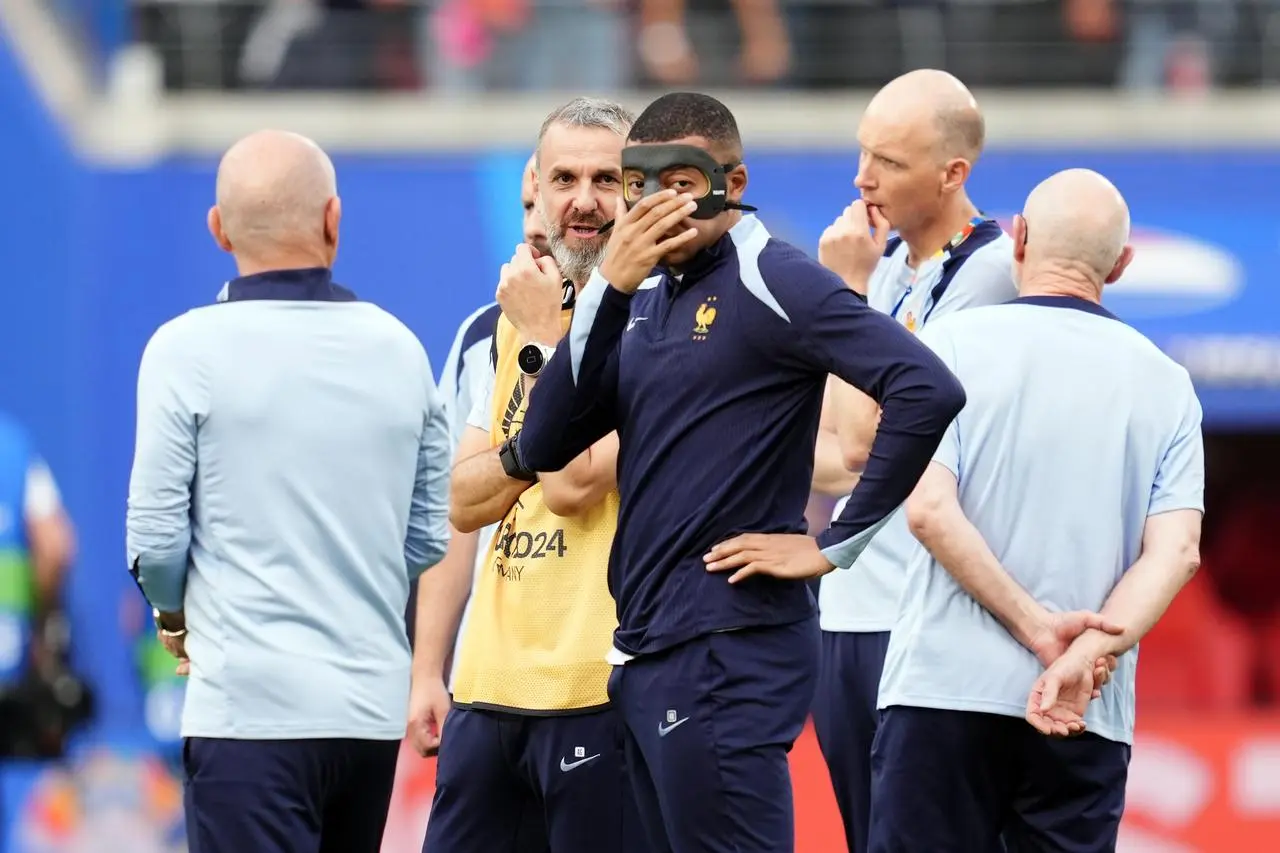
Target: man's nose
586,199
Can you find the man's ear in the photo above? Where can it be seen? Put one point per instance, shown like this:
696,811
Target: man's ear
736,183
215,229
1126,258
955,173
332,217
1019,238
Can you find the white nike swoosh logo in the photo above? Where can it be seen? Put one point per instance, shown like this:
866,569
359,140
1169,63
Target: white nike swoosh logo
632,322
567,766
664,730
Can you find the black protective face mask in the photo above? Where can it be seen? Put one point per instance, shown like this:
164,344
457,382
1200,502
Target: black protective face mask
650,162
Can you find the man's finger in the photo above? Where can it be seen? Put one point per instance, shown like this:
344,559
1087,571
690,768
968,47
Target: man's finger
1095,621
669,245
524,251
745,572
728,546
1033,716
732,561
426,744
547,265
653,221
856,215
523,262
673,218
644,207
1105,625
1049,685
879,223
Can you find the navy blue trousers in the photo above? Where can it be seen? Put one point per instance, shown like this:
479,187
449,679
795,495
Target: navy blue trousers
957,781
287,796
709,725
845,720
508,783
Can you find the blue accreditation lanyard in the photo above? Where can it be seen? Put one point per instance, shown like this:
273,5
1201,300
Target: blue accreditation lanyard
942,253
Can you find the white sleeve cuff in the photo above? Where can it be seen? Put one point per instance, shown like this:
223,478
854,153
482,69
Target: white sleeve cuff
42,498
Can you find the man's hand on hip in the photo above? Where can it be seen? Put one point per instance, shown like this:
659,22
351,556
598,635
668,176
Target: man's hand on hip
793,556
531,295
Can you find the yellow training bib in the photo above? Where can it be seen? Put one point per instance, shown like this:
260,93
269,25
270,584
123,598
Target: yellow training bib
542,618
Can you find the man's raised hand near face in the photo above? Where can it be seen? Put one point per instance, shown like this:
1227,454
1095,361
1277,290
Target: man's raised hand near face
531,294
639,240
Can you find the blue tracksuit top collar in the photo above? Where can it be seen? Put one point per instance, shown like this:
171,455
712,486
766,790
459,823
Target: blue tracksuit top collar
310,284
705,262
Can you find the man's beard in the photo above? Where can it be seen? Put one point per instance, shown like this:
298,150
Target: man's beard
575,264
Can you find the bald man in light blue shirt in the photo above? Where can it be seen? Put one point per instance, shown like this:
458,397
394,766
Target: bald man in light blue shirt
920,137
1067,495
289,480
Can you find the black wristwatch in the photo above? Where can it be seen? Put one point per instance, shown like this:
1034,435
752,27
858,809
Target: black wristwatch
511,464
533,357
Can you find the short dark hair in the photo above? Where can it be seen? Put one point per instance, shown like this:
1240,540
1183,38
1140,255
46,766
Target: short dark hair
682,114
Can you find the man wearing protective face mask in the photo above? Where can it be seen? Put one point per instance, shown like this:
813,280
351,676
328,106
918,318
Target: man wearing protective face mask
705,343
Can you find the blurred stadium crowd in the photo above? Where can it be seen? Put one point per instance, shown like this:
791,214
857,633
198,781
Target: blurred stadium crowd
467,46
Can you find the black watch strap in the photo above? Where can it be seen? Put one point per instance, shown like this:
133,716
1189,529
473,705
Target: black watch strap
511,464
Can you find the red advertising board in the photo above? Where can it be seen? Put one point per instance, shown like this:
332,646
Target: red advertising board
1196,785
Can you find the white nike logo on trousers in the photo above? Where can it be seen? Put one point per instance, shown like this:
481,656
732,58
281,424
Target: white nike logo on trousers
664,730
567,766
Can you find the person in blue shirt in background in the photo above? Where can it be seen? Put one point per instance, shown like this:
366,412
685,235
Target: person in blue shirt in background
711,367
37,545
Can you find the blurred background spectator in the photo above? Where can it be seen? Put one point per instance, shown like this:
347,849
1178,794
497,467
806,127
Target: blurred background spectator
468,46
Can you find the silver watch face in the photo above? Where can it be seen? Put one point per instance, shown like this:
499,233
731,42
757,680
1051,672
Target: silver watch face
531,359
